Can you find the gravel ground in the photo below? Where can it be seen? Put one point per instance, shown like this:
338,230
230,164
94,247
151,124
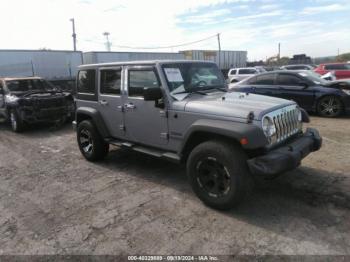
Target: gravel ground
52,201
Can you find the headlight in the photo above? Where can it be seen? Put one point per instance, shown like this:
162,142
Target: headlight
11,99
269,128
346,91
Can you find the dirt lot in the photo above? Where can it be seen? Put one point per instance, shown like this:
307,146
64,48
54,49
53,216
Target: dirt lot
52,201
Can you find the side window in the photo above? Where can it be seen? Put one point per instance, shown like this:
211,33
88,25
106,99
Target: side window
288,80
86,81
139,79
246,71
268,79
233,72
110,81
335,67
251,81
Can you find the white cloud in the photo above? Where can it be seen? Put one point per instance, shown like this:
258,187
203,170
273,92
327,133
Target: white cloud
321,9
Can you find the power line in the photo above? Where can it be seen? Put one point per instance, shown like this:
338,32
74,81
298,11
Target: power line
165,47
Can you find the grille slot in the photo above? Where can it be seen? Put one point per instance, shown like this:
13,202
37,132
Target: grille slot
286,122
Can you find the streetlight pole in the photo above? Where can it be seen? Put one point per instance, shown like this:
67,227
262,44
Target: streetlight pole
108,44
74,35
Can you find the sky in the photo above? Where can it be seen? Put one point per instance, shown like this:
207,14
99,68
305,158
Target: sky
315,27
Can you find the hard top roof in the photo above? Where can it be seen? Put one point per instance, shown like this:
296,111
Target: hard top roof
142,62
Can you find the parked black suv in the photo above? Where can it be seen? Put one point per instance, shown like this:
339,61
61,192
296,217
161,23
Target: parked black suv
308,89
31,100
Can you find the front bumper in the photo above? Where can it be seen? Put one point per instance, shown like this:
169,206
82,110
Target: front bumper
287,157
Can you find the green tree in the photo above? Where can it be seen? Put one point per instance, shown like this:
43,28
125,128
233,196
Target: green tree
343,57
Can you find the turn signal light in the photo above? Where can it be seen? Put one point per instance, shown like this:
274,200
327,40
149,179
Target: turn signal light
244,141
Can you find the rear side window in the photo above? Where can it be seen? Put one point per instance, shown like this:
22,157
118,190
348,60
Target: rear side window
288,80
246,71
86,81
337,67
265,79
139,79
233,72
110,81
298,68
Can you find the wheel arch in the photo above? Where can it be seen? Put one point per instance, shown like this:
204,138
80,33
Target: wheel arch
88,113
204,130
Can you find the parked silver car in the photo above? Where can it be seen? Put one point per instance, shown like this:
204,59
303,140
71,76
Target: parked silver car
181,111
238,74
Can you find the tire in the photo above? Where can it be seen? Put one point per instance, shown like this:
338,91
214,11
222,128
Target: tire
16,122
329,106
90,142
218,174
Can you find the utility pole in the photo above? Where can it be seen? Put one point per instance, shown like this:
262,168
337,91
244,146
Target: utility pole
279,51
108,44
219,45
74,35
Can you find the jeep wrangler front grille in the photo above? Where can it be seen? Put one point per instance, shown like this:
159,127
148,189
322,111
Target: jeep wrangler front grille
286,123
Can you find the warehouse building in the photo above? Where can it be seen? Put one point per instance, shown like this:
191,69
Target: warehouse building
49,64
61,66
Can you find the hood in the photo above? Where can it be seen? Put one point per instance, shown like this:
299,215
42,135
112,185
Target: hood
339,84
234,104
41,93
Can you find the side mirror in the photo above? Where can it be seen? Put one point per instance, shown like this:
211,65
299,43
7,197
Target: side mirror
152,94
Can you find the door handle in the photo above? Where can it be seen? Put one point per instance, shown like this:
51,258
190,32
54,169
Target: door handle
129,106
103,103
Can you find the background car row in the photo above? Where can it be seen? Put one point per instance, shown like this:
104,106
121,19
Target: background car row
308,89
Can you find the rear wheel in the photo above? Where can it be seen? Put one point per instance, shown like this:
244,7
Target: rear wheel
329,106
90,142
218,174
17,124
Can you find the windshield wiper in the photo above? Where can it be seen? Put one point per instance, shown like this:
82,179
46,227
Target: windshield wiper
190,92
219,88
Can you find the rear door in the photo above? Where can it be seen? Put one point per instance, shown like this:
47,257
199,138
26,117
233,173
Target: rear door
264,84
2,100
292,87
145,121
110,100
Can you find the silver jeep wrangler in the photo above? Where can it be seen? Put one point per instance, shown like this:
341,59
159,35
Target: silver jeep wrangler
182,111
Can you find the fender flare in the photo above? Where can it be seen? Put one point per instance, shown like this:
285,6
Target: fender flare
235,130
96,118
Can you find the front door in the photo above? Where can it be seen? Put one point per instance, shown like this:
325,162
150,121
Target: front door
293,88
145,121
110,100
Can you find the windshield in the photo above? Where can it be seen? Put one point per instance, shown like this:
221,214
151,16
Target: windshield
314,77
184,78
25,85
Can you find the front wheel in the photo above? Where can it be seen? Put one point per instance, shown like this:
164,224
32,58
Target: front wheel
17,124
90,142
218,174
329,106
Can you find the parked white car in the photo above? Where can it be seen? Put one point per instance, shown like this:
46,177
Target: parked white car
238,74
